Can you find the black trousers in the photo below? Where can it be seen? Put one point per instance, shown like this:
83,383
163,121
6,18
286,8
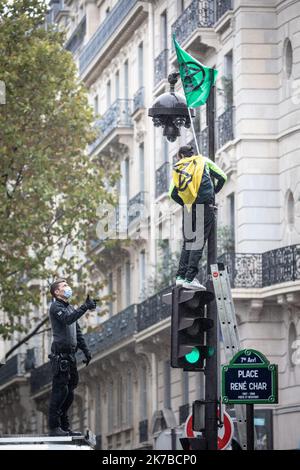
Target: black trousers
64,381
191,255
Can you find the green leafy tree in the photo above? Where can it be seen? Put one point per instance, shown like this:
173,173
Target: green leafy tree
50,187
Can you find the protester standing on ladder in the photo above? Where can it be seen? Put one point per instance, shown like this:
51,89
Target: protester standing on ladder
191,186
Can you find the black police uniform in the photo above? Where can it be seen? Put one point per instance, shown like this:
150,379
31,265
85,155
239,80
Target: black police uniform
67,338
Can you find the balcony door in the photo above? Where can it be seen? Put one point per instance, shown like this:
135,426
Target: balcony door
126,80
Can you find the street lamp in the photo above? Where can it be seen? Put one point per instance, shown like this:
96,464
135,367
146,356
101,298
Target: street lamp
170,111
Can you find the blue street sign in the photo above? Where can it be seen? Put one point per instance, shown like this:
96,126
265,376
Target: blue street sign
249,378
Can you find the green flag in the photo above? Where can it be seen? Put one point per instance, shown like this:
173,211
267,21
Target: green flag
197,79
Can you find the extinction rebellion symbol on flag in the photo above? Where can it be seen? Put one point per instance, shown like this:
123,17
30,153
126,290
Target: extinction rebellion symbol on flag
191,70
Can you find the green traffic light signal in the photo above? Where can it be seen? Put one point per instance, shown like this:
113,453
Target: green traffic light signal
189,324
199,353
193,356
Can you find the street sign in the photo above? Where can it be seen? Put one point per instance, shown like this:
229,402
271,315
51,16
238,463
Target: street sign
250,378
224,433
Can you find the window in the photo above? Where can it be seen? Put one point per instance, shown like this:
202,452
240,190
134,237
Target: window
120,402
119,289
185,387
167,385
142,166
288,57
164,30
290,209
126,80
143,393
129,398
108,94
165,247
292,345
228,65
110,291
165,150
128,283
142,271
110,406
231,213
141,64
227,80
98,414
96,106
127,176
117,84
81,12
180,6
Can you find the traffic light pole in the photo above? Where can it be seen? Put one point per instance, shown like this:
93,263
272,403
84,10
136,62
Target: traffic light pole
212,363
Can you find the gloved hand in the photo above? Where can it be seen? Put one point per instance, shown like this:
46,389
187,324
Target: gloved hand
90,303
88,358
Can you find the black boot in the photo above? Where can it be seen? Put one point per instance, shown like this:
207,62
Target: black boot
65,425
58,432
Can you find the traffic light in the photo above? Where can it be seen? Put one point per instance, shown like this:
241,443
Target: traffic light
188,326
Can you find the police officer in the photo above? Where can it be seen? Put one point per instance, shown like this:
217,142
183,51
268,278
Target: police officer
67,338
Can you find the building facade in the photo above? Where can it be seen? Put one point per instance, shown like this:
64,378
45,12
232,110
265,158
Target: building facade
129,395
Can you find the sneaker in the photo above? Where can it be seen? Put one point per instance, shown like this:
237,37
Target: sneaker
179,281
194,284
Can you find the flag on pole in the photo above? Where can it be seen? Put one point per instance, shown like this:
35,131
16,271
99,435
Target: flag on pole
197,79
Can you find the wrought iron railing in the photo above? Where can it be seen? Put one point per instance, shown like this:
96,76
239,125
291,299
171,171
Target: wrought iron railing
222,6
263,269
15,366
118,115
281,265
115,329
245,269
136,206
162,179
225,127
77,36
139,99
161,66
152,310
256,270
105,30
199,14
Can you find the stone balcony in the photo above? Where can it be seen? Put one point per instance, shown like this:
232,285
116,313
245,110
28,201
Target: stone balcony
117,28
115,121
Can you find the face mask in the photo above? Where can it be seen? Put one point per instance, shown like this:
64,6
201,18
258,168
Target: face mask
68,292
